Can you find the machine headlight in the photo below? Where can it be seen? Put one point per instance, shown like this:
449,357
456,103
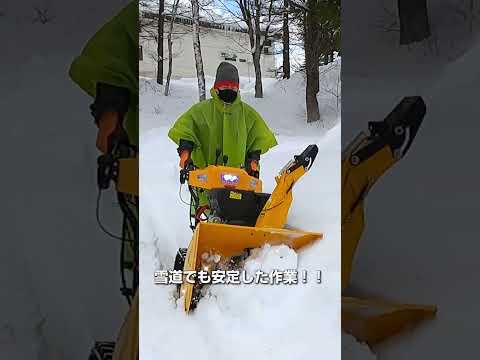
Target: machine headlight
230,179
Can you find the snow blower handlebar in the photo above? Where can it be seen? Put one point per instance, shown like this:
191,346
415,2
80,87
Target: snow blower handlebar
397,130
186,170
305,159
121,155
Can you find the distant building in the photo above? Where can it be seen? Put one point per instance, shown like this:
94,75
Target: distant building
218,43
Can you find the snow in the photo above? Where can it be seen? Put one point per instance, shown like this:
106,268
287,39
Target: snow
422,217
243,321
352,350
60,275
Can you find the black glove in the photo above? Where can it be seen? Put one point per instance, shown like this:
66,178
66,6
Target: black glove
110,98
185,145
251,163
184,150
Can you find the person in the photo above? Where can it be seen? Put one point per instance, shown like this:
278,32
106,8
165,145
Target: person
223,129
107,70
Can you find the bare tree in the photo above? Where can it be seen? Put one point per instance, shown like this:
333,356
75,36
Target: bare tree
258,16
312,31
286,41
152,30
321,35
170,45
468,11
197,50
390,23
154,23
161,21
471,15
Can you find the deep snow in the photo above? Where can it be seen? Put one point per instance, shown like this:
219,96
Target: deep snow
422,216
247,321
60,274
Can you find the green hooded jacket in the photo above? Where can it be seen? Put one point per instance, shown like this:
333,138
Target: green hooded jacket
234,129
111,56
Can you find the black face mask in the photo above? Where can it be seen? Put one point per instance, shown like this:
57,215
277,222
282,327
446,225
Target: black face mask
227,95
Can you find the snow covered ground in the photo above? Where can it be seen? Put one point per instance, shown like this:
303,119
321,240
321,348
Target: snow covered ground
60,274
248,321
419,244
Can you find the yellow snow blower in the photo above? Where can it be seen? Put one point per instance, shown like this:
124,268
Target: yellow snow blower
364,161
238,217
120,167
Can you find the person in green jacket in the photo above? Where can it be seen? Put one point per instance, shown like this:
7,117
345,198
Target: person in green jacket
107,70
223,129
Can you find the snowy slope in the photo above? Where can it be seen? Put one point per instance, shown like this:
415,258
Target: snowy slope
248,321
422,217
59,280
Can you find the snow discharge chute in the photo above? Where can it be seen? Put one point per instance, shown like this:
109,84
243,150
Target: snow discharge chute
364,161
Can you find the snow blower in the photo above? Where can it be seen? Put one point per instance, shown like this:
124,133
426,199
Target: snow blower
364,161
238,217
120,166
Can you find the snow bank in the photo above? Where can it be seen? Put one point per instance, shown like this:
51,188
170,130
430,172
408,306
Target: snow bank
435,196
242,321
48,217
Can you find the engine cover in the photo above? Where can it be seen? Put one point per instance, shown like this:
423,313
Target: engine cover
237,207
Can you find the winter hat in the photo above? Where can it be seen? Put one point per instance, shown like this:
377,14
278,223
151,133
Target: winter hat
227,77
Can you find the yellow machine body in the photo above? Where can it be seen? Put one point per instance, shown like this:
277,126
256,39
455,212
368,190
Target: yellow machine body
213,177
356,182
127,179
230,240
369,320
275,211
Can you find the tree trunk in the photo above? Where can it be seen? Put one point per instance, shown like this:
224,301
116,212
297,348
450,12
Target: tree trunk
161,18
197,51
313,113
471,15
414,23
258,52
311,65
258,75
255,44
170,62
170,46
286,41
